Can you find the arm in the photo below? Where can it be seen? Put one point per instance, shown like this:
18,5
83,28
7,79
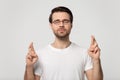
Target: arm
29,75
95,73
94,51
97,70
31,59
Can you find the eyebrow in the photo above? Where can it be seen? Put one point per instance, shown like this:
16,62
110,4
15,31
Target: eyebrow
60,20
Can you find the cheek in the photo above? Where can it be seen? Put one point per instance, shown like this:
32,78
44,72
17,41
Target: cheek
68,28
54,29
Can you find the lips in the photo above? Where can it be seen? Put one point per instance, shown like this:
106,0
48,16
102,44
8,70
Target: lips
61,30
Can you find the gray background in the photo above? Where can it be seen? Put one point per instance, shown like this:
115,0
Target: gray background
24,21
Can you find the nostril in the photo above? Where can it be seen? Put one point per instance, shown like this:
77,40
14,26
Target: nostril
61,26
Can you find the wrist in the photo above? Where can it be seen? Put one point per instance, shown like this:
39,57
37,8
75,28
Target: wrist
29,67
96,60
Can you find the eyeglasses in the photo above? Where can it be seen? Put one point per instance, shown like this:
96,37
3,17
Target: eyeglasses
58,22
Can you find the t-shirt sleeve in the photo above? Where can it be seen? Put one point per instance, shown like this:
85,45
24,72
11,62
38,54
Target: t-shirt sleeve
37,68
88,61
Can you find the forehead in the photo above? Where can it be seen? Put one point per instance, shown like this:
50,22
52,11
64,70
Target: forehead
60,16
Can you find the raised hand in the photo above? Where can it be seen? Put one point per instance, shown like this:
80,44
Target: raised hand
31,57
94,50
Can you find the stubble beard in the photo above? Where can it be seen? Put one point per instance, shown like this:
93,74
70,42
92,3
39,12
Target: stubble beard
62,36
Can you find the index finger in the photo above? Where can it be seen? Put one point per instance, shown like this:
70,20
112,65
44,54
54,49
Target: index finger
93,41
31,48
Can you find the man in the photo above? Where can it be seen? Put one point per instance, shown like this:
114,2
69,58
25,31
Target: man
63,59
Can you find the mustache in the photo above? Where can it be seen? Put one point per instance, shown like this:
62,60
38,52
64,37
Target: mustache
61,29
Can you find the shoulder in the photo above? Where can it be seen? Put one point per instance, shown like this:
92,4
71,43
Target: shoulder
81,50
78,47
42,50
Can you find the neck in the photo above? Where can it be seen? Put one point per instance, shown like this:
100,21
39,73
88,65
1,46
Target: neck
61,43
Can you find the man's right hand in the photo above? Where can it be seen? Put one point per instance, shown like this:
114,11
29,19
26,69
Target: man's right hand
31,57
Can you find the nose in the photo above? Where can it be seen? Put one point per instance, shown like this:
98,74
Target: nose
61,24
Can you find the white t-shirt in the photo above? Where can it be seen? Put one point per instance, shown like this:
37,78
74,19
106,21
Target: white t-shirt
62,64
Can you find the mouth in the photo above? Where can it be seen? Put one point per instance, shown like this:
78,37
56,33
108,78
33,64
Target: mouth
61,30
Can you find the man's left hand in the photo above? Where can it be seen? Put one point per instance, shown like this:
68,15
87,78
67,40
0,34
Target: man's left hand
94,50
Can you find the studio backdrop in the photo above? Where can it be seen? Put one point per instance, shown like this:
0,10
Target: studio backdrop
26,21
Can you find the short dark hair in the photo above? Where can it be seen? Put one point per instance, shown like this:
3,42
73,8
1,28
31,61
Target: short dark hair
61,9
